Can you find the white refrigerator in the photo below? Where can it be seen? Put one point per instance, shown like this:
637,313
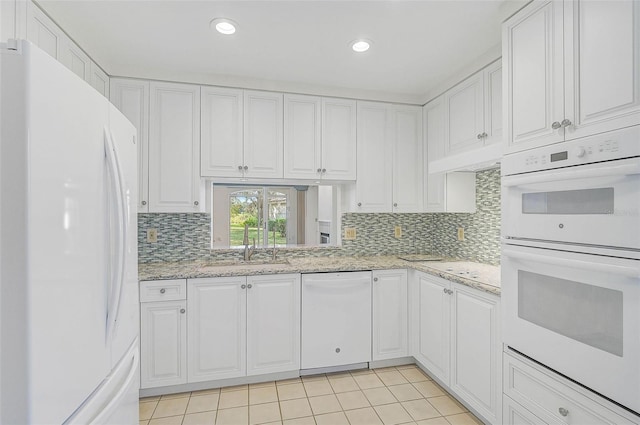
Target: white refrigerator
69,309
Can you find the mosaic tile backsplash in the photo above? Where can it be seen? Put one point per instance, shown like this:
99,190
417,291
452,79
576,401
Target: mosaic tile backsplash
186,237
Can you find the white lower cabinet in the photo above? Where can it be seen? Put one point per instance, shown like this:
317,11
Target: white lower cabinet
217,328
457,340
390,315
241,326
534,394
163,333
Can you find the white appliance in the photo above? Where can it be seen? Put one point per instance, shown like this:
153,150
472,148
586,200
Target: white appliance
571,261
69,301
336,319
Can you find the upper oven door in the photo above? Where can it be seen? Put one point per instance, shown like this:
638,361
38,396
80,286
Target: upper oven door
577,314
595,204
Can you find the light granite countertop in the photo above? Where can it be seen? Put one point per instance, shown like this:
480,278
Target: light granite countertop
477,275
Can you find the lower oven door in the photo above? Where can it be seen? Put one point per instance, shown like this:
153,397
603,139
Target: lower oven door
578,314
595,204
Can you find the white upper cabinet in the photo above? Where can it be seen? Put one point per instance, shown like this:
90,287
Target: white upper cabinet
389,158
174,148
222,132
406,124
131,97
302,137
43,32
533,53
263,139
572,70
492,75
374,183
443,192
99,80
465,112
75,59
319,138
338,139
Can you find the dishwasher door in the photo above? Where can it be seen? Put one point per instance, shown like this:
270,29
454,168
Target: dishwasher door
336,319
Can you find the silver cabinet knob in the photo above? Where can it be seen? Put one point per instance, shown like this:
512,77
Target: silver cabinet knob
246,168
479,136
338,350
359,204
563,411
395,204
243,286
196,203
485,135
162,291
375,279
556,125
249,286
183,311
319,170
444,290
240,167
324,170
144,202
565,123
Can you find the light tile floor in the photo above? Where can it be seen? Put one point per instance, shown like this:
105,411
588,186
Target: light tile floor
389,396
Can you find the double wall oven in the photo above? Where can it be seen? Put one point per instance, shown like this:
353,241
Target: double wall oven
571,260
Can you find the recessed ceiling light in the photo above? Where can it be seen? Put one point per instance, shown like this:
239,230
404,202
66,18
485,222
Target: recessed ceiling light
224,26
360,46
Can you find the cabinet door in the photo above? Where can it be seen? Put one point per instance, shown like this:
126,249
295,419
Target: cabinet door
434,184
174,148
302,137
163,344
493,103
131,97
533,56
273,323
475,350
602,66
217,328
75,59
99,80
406,132
263,141
221,143
390,313
374,184
43,32
338,139
465,115
433,348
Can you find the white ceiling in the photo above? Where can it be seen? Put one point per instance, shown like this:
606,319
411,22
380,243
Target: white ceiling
299,46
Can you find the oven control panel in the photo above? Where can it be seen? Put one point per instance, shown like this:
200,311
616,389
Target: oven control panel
602,147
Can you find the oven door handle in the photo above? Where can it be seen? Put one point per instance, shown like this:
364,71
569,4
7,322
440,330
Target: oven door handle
629,167
632,272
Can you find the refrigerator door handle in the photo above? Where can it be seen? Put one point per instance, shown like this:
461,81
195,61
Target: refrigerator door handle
117,273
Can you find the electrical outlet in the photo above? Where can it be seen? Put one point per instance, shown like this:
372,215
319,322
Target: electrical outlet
152,235
349,233
397,232
460,234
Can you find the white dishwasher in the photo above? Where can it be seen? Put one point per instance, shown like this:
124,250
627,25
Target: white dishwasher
336,319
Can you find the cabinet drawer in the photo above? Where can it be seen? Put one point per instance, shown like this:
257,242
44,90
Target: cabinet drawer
554,401
163,290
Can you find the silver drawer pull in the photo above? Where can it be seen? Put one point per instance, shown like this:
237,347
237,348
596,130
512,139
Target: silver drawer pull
375,279
182,310
144,202
563,411
556,125
243,286
249,286
162,291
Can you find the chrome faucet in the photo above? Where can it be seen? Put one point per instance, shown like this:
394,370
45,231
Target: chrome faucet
248,251
275,251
